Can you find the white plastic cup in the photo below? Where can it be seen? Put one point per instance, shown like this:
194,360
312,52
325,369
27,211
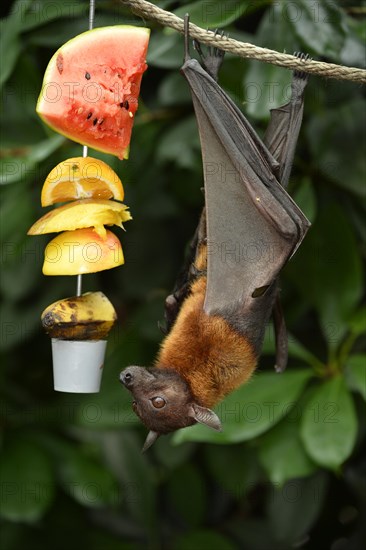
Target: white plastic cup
78,365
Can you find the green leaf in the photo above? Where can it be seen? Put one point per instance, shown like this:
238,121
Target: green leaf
296,350
218,13
334,137
180,144
19,324
244,471
136,475
107,409
356,373
353,51
294,508
282,453
329,424
203,540
357,322
265,88
305,198
170,456
18,103
111,407
26,480
253,533
42,13
252,409
10,45
21,262
268,86
187,494
165,51
54,35
331,271
13,169
87,481
174,91
319,25
16,216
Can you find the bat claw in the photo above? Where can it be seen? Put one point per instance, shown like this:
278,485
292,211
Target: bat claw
302,57
212,59
279,368
197,47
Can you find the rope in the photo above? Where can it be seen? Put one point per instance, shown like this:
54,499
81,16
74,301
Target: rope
245,49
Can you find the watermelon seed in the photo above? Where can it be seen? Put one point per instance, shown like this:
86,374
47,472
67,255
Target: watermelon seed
101,122
124,104
95,121
89,115
87,76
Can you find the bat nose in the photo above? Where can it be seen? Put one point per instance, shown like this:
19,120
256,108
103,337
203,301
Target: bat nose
126,378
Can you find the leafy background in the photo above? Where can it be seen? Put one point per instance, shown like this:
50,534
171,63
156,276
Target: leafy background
287,471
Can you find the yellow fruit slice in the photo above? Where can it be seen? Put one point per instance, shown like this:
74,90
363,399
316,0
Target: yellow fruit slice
87,317
81,178
82,213
82,251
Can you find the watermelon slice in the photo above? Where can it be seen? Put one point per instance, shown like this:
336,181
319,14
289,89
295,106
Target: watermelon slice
91,86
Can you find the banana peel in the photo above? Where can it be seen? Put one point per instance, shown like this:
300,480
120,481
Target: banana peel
87,317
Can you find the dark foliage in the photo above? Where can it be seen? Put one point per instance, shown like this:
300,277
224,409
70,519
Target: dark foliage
287,470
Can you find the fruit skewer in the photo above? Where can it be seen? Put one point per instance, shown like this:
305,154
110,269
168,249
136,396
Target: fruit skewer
79,277
79,325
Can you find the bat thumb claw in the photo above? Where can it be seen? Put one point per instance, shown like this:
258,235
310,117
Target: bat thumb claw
280,368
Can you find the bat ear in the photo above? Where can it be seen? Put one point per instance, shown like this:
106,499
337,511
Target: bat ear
205,416
151,438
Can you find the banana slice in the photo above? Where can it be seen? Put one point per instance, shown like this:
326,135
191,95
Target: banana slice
87,317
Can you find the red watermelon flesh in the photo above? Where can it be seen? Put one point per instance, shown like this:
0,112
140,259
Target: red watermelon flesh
91,87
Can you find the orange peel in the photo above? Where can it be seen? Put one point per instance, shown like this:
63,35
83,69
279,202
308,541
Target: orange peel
81,178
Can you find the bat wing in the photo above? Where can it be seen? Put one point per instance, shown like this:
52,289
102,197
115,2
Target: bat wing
185,278
284,127
253,225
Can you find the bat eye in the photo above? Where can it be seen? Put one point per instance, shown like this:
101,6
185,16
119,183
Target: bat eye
158,402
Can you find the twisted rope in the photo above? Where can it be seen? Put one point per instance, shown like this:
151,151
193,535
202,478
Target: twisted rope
245,49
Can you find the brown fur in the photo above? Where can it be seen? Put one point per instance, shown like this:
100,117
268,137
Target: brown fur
212,357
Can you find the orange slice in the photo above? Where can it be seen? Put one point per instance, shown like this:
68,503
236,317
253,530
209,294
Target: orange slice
82,251
81,178
82,213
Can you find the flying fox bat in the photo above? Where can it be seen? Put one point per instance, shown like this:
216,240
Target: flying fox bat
248,230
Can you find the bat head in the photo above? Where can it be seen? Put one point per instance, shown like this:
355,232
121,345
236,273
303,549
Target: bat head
164,402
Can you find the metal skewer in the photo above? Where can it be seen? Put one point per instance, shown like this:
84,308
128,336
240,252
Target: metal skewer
79,282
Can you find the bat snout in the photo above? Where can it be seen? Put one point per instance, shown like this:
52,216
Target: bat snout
127,377
131,376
